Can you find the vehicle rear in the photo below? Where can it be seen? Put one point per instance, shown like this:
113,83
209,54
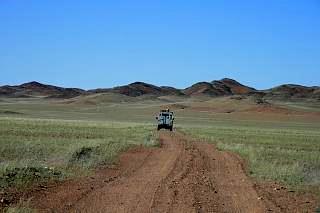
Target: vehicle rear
165,120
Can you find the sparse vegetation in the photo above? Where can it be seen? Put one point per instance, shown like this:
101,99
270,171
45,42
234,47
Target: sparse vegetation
21,207
39,150
42,139
285,155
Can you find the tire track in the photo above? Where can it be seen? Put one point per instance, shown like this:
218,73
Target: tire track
181,176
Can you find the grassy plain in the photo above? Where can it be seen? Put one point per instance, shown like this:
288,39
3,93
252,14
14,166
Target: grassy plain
38,149
280,142
287,155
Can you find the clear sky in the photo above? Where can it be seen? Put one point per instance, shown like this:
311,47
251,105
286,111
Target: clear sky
91,44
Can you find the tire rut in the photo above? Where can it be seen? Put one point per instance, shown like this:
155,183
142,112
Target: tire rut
181,176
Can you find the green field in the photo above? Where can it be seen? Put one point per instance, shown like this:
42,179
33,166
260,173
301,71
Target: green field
39,150
287,155
59,139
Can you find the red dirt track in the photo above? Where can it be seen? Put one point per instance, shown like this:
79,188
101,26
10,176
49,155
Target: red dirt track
181,176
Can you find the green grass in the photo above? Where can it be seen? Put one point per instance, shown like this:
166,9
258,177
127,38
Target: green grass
280,147
38,150
290,156
21,207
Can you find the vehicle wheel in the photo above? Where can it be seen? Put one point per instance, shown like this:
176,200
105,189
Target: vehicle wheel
158,128
171,128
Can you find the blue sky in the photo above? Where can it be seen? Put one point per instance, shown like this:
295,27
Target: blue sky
91,44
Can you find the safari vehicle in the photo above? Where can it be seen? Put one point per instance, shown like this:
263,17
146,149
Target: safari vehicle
165,119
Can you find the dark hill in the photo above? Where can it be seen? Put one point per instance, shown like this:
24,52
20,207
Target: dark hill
206,88
218,88
35,89
140,88
137,89
293,91
235,87
223,87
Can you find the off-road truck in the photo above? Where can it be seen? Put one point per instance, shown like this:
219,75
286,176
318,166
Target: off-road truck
165,119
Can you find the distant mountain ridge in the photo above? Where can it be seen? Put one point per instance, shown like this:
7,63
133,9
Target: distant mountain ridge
140,88
34,88
216,88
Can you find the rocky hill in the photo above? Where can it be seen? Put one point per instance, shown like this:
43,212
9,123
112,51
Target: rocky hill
293,91
140,88
36,89
223,87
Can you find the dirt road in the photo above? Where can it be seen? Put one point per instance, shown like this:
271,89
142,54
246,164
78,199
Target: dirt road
180,176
